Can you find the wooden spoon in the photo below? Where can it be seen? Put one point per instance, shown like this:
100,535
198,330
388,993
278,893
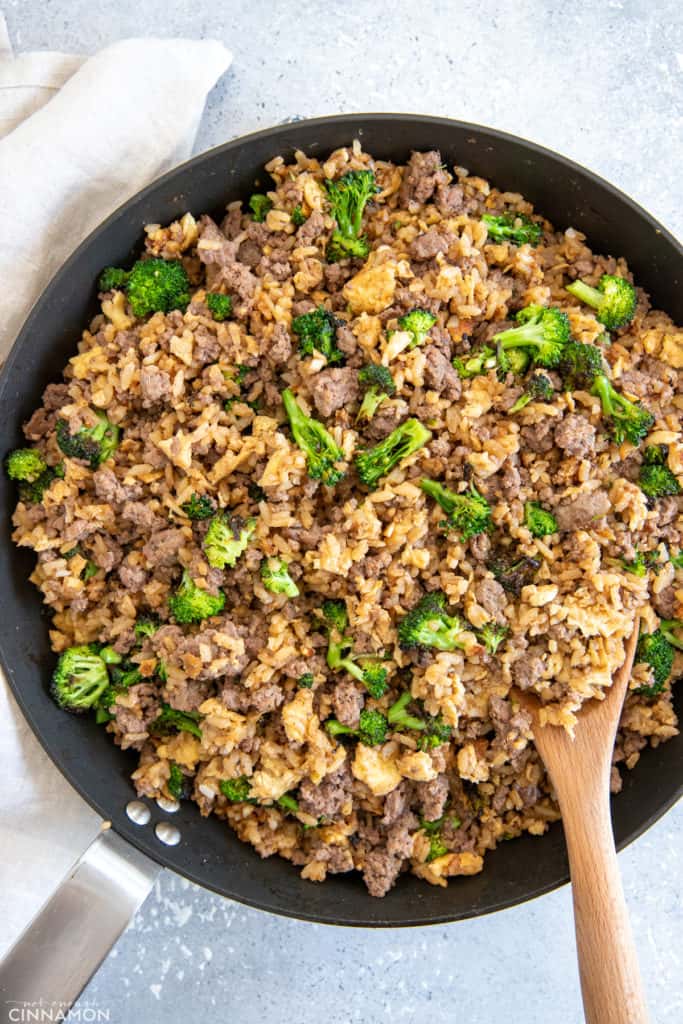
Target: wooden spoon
579,770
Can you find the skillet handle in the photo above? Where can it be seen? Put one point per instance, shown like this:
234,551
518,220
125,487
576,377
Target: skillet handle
54,958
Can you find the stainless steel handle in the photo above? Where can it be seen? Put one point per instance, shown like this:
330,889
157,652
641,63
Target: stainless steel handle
67,940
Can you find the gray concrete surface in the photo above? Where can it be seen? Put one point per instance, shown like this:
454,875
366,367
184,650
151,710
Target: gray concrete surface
601,83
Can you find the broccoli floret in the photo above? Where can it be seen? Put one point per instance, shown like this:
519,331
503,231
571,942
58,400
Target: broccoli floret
614,300
317,332
348,198
630,421
366,669
80,678
335,615
468,513
491,635
275,577
656,479
669,629
298,217
200,506
305,682
26,465
125,674
176,781
677,560
145,627
579,365
92,444
89,571
428,625
190,603
259,205
542,334
513,227
399,717
433,831
220,306
514,573
538,521
184,721
371,731
157,285
537,389
113,278
476,363
418,323
376,462
288,803
377,384
237,791
226,539
655,651
642,563
322,451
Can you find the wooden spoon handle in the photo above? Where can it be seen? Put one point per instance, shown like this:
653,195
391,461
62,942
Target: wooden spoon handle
608,964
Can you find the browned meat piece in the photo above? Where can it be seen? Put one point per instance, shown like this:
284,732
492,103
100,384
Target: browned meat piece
132,576
582,512
206,347
431,242
386,419
334,389
575,435
132,722
187,694
480,546
249,253
336,276
492,597
421,177
311,229
155,385
450,199
400,835
110,489
55,396
348,703
163,546
395,804
105,552
280,346
380,871
141,515
526,671
347,342
665,603
266,698
433,797
440,374
539,438
329,796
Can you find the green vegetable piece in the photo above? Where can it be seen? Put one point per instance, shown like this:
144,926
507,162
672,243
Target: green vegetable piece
260,205
374,463
79,679
376,383
614,300
93,445
220,306
348,197
226,539
428,625
190,603
418,323
275,577
321,450
469,513
512,227
538,521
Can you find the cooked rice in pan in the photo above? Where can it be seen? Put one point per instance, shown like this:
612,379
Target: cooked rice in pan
262,710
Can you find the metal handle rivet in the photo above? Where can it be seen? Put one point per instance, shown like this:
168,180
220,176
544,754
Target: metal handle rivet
167,833
138,812
170,806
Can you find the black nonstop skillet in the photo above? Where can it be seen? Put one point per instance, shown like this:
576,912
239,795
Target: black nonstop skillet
208,852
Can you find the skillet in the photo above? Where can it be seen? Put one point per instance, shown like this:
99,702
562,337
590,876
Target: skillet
208,853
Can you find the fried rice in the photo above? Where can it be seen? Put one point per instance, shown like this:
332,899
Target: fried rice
192,422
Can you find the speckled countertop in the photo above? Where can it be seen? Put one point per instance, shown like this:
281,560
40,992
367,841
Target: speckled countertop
602,83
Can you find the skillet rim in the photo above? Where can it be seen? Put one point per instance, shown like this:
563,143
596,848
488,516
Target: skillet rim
144,841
